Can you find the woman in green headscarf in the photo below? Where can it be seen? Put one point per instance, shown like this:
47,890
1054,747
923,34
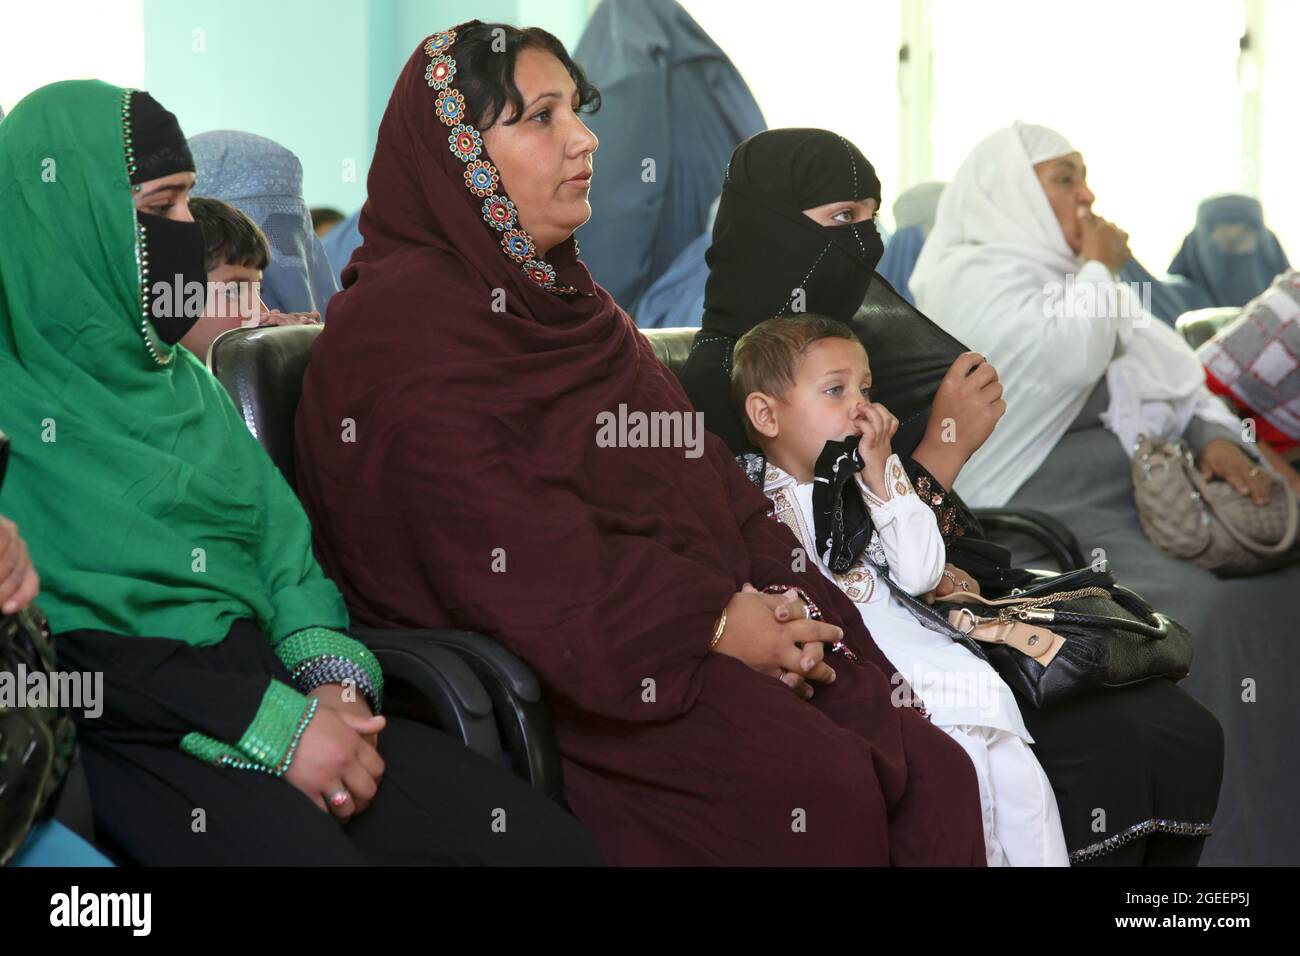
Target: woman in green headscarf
175,560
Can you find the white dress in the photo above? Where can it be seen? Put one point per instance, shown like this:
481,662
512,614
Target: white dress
963,694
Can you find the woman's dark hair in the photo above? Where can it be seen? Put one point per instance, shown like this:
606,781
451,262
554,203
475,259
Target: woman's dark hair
485,56
229,236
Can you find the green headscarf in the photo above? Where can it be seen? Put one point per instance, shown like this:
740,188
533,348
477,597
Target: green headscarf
148,507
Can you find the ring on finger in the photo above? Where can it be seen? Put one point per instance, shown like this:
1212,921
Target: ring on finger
339,797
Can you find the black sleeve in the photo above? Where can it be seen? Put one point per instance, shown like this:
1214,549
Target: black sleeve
706,379
955,519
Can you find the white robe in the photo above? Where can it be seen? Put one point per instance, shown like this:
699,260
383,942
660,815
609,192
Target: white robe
958,688
963,694
997,274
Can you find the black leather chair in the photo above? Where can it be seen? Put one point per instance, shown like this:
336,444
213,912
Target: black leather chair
464,683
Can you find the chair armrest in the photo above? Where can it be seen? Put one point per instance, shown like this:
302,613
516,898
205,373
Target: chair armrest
430,684
1060,542
522,715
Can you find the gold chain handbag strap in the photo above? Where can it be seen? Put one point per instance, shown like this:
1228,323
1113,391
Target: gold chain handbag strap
1020,606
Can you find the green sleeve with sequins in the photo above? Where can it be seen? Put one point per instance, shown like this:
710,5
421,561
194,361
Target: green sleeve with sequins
311,646
271,739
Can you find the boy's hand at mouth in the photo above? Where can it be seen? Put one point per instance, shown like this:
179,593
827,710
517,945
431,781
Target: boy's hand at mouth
877,425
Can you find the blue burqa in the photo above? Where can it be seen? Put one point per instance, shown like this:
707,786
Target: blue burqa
263,180
1230,254
673,110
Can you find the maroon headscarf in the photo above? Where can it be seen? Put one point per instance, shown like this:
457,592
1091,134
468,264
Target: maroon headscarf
447,454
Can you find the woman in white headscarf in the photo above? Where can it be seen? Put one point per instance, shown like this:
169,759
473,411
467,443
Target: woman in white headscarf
1019,268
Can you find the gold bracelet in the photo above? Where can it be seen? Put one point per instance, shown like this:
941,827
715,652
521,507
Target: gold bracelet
718,629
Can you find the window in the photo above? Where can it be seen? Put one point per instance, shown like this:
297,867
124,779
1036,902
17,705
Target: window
821,63
1146,91
1280,135
70,40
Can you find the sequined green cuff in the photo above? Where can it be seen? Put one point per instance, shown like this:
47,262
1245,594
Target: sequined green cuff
271,740
319,655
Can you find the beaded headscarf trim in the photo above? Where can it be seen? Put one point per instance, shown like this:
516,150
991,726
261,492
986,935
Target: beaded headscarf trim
481,177
161,353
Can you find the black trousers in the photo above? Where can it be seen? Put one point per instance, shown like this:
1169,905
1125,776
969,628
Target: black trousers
438,803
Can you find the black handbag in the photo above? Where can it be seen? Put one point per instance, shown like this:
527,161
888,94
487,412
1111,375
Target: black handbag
1069,634
37,743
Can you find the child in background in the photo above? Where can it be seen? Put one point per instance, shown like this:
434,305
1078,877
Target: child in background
802,382
237,252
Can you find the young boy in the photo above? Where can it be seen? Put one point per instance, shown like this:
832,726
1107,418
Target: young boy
802,382
237,252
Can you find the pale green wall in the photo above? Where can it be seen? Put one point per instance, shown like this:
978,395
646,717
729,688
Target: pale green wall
314,75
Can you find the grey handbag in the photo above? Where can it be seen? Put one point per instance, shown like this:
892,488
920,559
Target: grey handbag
1208,522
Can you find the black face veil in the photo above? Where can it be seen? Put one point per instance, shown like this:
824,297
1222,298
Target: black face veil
767,257
764,248
173,250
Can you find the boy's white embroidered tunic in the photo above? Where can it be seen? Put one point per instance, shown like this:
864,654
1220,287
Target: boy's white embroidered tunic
957,688
964,695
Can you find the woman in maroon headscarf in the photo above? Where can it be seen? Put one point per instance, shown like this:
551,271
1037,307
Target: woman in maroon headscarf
452,456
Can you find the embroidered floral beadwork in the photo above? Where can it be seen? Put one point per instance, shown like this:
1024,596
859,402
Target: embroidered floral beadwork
439,42
517,245
466,143
949,518
440,72
499,213
540,272
481,177
450,106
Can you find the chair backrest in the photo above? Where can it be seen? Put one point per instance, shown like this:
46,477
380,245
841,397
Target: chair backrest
263,369
1200,325
672,345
